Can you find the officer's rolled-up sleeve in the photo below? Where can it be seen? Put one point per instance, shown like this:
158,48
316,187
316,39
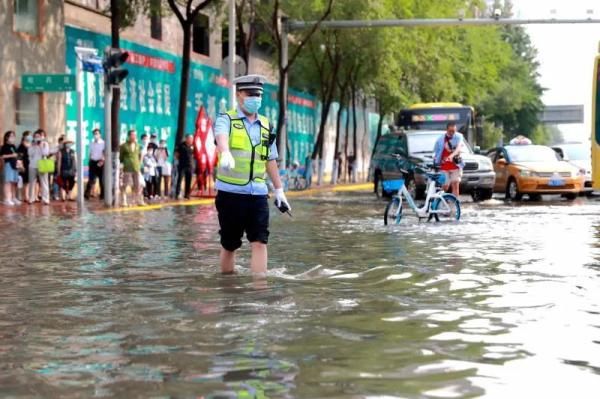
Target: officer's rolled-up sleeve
273,154
222,125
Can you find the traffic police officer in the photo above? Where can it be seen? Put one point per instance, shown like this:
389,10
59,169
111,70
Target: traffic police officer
247,153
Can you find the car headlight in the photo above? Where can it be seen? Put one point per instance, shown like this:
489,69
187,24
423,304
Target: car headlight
486,164
526,173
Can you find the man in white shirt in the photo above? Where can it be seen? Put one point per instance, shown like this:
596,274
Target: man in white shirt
96,165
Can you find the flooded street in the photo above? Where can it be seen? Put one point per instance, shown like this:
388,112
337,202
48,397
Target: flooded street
503,304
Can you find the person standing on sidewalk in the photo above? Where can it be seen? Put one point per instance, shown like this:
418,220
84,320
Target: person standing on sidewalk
186,166
96,165
23,151
129,153
9,155
247,153
66,169
163,170
39,150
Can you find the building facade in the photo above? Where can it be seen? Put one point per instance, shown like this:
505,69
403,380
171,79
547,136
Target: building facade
33,41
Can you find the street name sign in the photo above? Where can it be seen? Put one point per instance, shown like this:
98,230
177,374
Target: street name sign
48,82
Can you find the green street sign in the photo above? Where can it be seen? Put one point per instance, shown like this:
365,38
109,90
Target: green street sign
48,82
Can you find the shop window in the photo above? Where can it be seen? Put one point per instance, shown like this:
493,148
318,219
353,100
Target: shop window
201,35
155,19
27,16
27,111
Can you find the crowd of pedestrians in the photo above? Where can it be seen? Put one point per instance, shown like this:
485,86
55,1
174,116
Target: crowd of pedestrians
34,171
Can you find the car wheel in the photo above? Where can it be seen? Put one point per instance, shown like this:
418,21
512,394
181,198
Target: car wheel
482,194
571,196
535,197
512,191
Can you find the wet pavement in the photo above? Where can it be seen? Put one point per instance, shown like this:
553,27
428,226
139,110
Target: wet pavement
503,304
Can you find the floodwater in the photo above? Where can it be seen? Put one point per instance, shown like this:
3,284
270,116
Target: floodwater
503,304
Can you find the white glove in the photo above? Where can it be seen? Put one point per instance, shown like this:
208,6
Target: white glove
280,198
226,160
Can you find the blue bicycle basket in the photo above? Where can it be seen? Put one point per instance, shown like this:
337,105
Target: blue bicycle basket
392,185
440,179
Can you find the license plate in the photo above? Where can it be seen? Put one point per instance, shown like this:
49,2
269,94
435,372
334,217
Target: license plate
556,182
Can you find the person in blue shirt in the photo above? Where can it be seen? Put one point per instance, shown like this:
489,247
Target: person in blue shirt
247,153
447,157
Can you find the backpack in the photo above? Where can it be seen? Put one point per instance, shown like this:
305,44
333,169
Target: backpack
457,159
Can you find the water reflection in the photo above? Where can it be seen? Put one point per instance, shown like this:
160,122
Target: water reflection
503,304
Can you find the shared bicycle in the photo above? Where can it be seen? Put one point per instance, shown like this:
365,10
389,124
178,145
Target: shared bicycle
438,205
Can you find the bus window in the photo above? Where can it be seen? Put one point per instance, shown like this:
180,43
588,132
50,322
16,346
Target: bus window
437,118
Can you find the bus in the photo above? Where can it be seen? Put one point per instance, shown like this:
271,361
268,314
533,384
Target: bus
595,136
435,116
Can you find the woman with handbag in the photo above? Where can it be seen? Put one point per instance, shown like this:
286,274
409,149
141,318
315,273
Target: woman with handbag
67,169
10,156
39,167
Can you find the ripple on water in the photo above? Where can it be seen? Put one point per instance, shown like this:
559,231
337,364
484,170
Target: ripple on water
503,304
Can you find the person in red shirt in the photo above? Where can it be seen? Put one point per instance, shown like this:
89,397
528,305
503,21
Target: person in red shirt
447,148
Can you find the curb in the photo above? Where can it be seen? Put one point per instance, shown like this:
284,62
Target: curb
209,201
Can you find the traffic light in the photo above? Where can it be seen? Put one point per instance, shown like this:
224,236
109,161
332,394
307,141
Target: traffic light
113,59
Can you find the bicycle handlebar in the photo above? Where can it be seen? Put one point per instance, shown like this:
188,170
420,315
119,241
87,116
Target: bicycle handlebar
434,169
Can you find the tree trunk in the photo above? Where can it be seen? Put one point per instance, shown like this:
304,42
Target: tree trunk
378,136
183,87
281,115
336,158
338,127
354,124
346,142
317,148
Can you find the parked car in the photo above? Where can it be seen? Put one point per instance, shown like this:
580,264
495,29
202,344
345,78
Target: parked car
534,170
415,148
580,155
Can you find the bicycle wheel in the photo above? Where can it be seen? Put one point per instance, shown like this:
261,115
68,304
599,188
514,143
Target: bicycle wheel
393,212
448,210
300,183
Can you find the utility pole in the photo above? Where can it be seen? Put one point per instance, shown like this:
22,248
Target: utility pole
82,52
113,76
113,159
232,54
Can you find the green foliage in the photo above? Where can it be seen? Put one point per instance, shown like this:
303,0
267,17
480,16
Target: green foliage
493,69
547,135
492,136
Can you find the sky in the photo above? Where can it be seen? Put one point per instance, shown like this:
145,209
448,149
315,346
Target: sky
566,54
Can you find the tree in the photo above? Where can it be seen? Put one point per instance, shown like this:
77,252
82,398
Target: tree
275,10
516,103
186,12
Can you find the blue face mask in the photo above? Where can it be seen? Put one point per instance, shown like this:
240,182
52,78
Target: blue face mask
252,104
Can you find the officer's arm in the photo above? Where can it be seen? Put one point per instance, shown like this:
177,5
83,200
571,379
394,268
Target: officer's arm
222,143
273,171
221,129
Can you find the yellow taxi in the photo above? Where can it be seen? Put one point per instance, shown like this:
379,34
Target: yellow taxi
534,170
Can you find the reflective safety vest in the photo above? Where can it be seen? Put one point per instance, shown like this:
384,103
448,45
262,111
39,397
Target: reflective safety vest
250,160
